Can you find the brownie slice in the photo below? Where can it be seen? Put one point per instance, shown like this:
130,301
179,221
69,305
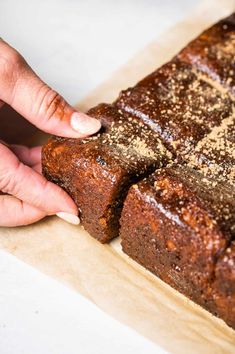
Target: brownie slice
177,224
224,286
177,104
213,53
98,171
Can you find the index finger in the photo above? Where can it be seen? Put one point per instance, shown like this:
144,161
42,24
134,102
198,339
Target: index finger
22,89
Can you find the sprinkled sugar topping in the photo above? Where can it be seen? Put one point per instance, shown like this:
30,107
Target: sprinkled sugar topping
133,139
178,103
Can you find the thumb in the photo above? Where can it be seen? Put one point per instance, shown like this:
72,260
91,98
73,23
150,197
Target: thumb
37,102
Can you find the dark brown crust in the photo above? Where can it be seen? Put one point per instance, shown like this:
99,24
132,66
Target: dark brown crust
214,155
106,113
213,53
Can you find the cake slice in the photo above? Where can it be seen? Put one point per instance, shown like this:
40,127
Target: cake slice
213,53
97,172
177,104
177,224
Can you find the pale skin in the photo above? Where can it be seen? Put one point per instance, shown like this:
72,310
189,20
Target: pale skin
25,195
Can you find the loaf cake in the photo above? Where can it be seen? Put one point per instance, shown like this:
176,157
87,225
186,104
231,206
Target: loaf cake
161,171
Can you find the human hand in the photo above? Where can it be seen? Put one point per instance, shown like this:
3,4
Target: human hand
26,196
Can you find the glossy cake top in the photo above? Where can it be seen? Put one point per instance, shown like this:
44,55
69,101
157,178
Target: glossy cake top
185,193
213,52
214,155
134,141
126,143
177,104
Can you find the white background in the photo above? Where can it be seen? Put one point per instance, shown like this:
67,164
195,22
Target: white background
74,46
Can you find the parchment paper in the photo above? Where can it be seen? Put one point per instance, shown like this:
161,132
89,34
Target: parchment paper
103,273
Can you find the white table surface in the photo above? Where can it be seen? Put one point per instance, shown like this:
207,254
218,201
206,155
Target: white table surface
74,46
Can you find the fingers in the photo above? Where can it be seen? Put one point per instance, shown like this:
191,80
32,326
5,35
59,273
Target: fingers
32,98
29,156
38,168
14,212
29,186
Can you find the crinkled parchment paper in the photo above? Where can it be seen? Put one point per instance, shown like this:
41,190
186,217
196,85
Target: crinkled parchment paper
104,274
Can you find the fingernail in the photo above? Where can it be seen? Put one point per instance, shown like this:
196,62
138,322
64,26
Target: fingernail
71,218
84,124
